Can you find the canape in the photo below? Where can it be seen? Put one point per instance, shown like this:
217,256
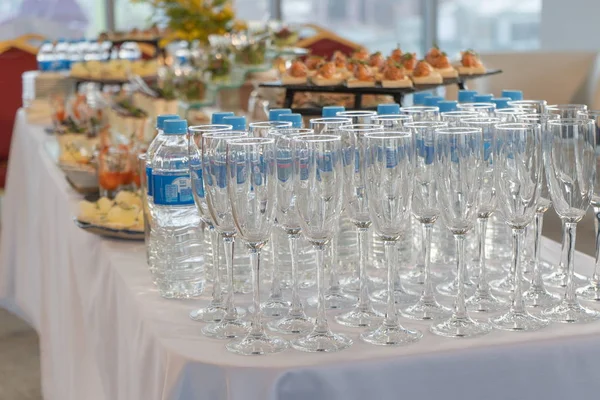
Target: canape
363,77
394,76
424,74
297,74
327,75
470,64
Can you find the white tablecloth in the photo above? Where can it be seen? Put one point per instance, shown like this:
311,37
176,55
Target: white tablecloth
106,334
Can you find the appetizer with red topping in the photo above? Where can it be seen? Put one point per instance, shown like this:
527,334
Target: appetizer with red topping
441,63
341,63
313,63
361,55
376,61
397,55
297,74
424,74
328,75
394,76
470,64
363,76
409,62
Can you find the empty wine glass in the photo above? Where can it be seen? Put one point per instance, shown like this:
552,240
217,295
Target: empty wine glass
251,185
591,291
318,185
426,211
534,106
510,114
483,109
389,172
391,122
570,159
455,118
422,113
569,111
458,154
483,300
537,295
214,174
356,205
215,310
287,217
358,116
518,170
262,128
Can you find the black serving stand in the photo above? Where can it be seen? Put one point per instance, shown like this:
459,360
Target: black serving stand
397,93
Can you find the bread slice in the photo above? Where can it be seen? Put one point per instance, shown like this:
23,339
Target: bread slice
471,70
447,72
336,80
433,79
355,83
293,80
402,83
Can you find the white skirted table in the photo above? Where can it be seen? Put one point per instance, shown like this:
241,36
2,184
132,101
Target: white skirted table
105,333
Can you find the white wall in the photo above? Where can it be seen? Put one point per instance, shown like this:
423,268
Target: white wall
570,25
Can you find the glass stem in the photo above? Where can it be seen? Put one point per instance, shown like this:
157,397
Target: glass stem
595,280
427,295
460,308
564,249
256,325
334,280
275,294
482,284
537,280
321,320
296,308
517,305
391,255
363,296
230,311
570,234
217,293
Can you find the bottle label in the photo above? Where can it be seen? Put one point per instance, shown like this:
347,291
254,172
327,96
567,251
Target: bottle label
172,190
45,66
149,180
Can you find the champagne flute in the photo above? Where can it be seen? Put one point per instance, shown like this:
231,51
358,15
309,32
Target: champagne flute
510,114
455,118
532,106
570,159
483,109
215,310
318,186
518,170
421,113
251,185
214,173
262,128
458,154
389,161
391,122
358,116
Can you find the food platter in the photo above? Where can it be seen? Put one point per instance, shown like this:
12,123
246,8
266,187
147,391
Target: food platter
110,232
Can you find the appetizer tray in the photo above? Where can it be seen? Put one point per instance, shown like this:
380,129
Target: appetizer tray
397,93
110,232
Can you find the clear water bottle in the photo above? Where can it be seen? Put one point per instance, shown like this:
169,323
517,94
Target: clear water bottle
61,52
158,140
93,51
45,57
176,234
75,53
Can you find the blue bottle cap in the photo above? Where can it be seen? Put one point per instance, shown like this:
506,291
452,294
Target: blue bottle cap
217,118
513,94
276,112
447,105
238,123
160,120
419,98
433,100
387,109
331,111
295,119
501,102
466,96
175,127
483,98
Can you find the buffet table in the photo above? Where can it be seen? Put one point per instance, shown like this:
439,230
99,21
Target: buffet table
106,334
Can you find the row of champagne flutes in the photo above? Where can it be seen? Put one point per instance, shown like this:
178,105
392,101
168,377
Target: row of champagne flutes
379,170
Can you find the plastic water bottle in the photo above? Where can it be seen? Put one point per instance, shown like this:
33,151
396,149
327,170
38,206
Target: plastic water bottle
75,53
45,57
179,265
295,119
61,52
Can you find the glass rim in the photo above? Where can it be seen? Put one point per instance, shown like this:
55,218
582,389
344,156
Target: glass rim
527,102
361,127
570,121
482,120
247,141
426,124
269,124
330,120
296,131
511,126
356,113
205,128
512,110
595,113
224,134
317,138
476,104
459,113
415,109
388,135
574,106
458,130
385,117
142,157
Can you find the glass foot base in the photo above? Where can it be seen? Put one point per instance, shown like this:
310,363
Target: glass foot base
451,288
352,284
506,285
518,322
360,318
395,335
291,325
227,329
401,296
558,279
426,311
334,301
589,292
326,342
539,297
208,314
275,308
255,345
485,302
460,328
571,313
417,276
